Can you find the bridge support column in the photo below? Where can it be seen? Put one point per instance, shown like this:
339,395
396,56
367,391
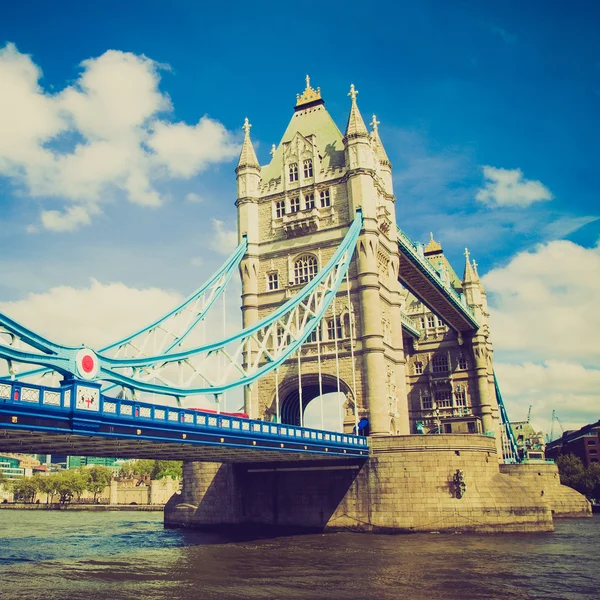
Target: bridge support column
409,483
487,403
209,496
371,333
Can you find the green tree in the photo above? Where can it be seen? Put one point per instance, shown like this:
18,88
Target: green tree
571,470
143,467
99,478
127,469
25,489
72,483
49,486
3,479
167,468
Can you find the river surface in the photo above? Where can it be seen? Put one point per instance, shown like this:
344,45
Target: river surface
111,555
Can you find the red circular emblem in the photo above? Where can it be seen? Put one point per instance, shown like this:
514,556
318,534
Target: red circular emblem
87,363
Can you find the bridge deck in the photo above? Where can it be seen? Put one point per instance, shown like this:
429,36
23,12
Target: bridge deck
36,419
418,275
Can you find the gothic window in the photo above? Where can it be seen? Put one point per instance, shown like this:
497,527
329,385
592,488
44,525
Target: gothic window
280,332
440,363
440,322
462,362
422,322
309,200
431,321
305,268
293,171
314,334
418,368
461,396
426,403
308,168
443,398
273,281
294,205
334,329
279,209
325,199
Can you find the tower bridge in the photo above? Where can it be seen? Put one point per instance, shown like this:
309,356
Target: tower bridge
337,302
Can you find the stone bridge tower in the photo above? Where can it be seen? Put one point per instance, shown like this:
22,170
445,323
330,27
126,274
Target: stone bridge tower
294,212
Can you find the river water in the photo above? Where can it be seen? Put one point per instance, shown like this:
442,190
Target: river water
122,555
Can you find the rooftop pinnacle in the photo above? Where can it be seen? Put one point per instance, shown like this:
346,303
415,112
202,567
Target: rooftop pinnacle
470,275
247,155
356,126
382,156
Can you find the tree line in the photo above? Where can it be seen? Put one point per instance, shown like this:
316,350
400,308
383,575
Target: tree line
64,485
72,483
586,480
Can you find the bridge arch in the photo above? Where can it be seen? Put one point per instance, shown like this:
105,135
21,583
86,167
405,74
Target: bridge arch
289,394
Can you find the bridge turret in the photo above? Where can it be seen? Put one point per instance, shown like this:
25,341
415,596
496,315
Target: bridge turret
248,174
362,194
382,162
471,286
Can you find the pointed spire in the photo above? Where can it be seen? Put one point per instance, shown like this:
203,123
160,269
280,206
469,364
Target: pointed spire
380,152
309,96
470,275
247,155
432,246
356,126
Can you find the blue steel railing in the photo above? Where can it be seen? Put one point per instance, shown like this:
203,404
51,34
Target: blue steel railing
66,398
435,277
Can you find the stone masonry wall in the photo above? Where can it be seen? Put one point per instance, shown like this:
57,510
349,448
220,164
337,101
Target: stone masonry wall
406,485
544,480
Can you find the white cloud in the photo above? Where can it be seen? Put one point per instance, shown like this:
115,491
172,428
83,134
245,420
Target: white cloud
100,137
95,316
225,240
545,325
194,198
545,303
567,387
187,150
197,261
71,219
508,187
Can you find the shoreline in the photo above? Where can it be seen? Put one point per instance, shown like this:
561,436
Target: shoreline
88,507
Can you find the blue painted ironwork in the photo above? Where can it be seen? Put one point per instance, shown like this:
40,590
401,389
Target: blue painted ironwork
412,251
248,354
511,453
198,304
79,407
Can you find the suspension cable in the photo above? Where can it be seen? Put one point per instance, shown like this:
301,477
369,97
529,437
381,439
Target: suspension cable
299,374
224,358
320,374
351,319
337,366
277,414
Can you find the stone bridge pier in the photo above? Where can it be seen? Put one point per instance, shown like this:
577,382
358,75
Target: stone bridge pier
409,483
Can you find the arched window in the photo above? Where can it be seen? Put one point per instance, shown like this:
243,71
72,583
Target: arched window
293,170
308,168
305,268
309,200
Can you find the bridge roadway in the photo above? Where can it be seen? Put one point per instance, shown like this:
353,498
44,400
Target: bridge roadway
419,276
77,419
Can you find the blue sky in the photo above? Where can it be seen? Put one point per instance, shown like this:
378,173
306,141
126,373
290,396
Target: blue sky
458,86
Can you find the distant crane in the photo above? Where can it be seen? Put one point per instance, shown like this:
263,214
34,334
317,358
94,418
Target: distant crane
555,418
529,413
